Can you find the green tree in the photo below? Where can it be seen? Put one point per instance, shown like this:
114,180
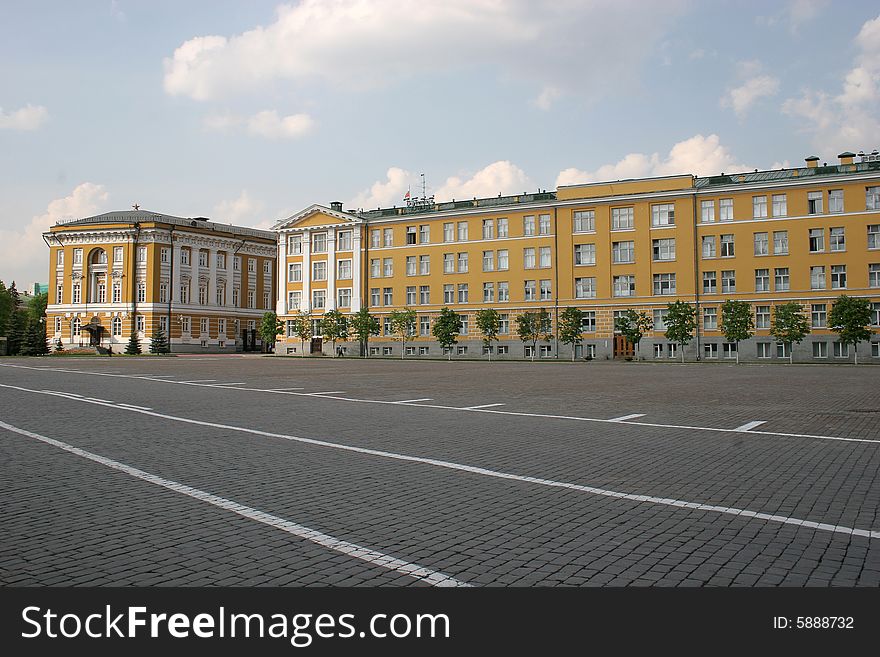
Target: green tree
681,322
36,305
334,326
633,325
133,348
446,329
488,323
569,328
158,341
849,318
17,331
789,325
737,322
6,307
534,326
302,328
362,326
403,323
34,343
270,328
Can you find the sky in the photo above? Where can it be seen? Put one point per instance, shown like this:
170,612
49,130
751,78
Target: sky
247,112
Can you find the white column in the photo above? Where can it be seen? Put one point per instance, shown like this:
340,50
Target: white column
306,302
356,269
175,278
281,276
212,277
331,270
229,276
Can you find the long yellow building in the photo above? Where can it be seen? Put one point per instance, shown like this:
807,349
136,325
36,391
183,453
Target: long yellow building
205,284
806,234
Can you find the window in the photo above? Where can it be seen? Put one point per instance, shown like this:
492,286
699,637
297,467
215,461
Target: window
203,325
623,251
529,291
462,350
658,350
117,254
664,249
343,240
588,321
343,269
585,288
838,239
294,299
707,212
759,207
139,324
528,225
817,240
780,242
585,254
874,236
221,295
449,293
529,258
624,286
387,296
814,202
503,324
502,227
819,316
410,295
319,270
449,232
424,265
584,221
875,349
464,324
251,299
710,282
387,351
725,209
252,265
203,295
710,319
762,280
235,296
762,244
203,258
375,239
375,268
387,237
817,277
423,351
710,350
462,231
141,255
319,243
488,229
728,281
503,291
375,298
820,350
488,292
763,349
387,267
782,280
58,325
622,218
424,294
874,275
76,327
835,201
841,350
663,215
709,246
502,259
462,292
448,263
762,317
236,263
546,290
77,256
424,326
488,260
780,205
838,277
142,292
59,258
319,299
221,261
462,262
76,293
544,224
294,244
544,256
727,250
410,265
410,234
117,293
59,292
872,198
664,284
546,350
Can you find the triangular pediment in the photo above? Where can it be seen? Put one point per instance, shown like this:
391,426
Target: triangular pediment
317,216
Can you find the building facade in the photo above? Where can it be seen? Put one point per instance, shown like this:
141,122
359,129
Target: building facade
806,234
205,284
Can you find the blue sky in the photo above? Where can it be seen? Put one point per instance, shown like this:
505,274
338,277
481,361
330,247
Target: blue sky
249,111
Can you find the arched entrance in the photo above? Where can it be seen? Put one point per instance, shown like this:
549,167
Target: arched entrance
97,277
95,331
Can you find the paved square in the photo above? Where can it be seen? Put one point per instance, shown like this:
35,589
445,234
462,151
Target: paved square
248,470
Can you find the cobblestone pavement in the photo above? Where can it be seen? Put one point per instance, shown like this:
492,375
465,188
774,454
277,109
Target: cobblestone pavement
191,470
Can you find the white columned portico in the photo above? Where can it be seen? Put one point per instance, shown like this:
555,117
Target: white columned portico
330,302
305,304
355,269
281,293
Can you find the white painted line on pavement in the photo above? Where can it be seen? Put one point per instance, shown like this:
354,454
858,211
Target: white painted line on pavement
664,501
631,416
332,392
476,408
354,550
220,385
283,389
751,425
410,401
143,408
199,381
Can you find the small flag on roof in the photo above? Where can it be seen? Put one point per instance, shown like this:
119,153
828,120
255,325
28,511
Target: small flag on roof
406,196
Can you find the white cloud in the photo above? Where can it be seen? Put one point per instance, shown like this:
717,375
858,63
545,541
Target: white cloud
23,254
371,43
795,14
242,210
385,193
699,155
850,119
502,177
29,117
547,97
268,124
742,98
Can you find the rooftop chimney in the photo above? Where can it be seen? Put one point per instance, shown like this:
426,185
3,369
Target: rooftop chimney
812,161
846,157
336,205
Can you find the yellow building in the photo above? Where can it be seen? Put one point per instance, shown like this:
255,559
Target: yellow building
203,283
767,237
